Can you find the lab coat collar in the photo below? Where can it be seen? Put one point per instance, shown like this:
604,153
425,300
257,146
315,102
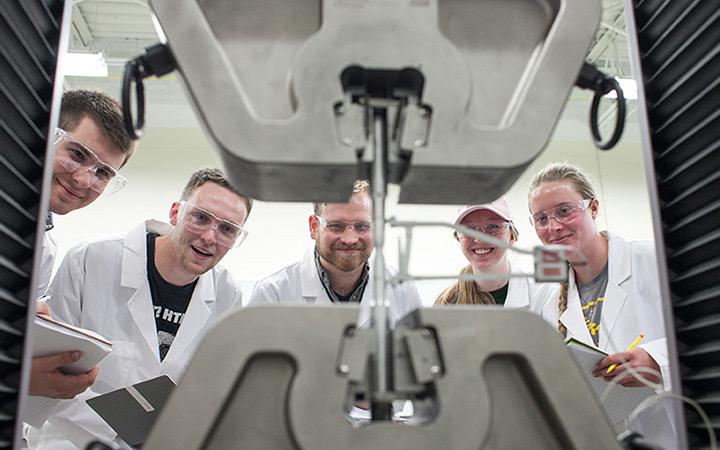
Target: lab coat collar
572,317
134,276
312,288
196,316
518,294
134,258
619,272
310,284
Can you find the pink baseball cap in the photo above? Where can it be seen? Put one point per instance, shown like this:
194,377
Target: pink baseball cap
501,207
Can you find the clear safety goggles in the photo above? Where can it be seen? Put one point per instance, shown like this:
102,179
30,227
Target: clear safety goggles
73,155
562,213
339,227
494,229
197,220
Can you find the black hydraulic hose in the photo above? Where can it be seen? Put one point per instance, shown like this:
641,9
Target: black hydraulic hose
133,73
592,78
619,116
158,61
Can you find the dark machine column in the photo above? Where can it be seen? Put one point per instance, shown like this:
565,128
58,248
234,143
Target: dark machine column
31,34
676,49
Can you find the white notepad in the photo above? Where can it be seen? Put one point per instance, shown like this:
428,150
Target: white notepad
51,337
619,402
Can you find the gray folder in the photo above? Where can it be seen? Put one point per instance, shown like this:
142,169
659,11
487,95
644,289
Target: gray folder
132,411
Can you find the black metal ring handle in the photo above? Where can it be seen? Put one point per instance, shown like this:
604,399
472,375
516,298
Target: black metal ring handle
619,115
134,72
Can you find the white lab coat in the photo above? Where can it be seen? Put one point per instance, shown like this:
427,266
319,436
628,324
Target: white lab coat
527,294
632,306
39,408
300,283
102,285
49,250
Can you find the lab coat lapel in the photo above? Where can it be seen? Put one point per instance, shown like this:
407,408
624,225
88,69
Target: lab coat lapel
310,285
518,295
619,271
572,317
196,316
134,277
365,309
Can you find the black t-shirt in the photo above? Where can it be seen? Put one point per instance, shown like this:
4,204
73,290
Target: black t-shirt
500,295
169,301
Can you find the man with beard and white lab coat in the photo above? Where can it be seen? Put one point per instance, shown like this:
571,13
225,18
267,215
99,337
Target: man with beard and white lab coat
153,292
337,269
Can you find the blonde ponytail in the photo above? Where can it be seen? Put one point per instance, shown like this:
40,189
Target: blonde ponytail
562,306
464,292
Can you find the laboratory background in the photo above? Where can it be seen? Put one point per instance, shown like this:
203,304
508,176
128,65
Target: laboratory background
174,145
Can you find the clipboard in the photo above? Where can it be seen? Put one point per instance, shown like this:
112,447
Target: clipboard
132,411
619,402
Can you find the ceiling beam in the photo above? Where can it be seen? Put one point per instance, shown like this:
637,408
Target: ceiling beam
81,30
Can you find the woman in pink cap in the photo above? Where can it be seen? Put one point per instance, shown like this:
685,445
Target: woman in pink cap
495,220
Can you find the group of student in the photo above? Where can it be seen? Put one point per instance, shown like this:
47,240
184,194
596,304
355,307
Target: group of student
157,290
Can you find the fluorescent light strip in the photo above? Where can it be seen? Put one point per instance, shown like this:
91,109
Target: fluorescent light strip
85,65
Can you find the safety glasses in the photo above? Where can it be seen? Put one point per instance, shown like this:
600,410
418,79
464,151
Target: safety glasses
198,220
73,155
494,229
562,213
339,227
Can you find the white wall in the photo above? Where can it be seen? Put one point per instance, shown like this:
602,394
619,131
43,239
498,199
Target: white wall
174,146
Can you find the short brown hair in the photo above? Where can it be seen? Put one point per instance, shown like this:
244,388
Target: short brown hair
358,186
211,175
102,109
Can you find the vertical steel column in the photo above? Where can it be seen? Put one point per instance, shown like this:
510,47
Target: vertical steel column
382,366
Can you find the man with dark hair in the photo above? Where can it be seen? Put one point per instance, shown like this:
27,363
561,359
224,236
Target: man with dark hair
91,145
153,292
337,269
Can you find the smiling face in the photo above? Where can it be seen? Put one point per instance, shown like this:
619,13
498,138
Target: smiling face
196,253
484,257
577,231
349,250
71,190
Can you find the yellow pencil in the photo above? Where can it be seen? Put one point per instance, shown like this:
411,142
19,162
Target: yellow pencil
629,347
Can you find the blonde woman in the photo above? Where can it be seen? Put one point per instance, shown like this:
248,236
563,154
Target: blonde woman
612,295
494,219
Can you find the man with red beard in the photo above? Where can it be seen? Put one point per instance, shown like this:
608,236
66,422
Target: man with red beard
337,269
153,292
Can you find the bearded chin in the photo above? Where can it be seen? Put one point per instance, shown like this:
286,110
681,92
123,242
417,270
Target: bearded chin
345,263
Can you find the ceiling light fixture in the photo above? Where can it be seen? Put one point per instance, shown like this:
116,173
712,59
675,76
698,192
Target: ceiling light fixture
629,87
85,65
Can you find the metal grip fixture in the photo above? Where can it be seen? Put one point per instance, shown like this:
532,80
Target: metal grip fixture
158,61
